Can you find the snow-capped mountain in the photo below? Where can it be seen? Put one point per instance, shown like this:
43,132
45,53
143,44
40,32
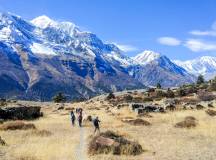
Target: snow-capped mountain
43,57
153,68
205,66
145,57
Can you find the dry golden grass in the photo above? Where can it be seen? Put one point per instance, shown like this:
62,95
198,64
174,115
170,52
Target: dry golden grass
17,125
161,140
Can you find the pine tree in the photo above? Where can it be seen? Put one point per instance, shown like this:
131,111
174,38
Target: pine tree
158,86
200,79
59,98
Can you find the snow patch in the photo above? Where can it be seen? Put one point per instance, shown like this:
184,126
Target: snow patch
5,33
146,57
43,22
41,49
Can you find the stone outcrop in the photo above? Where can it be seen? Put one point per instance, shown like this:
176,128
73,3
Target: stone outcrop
20,113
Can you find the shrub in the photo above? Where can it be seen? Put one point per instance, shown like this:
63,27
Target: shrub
199,107
203,86
110,142
40,133
139,122
147,99
211,112
158,86
17,125
160,93
110,96
59,98
189,122
151,90
191,89
128,98
200,79
212,86
3,102
181,92
170,94
138,99
206,96
2,142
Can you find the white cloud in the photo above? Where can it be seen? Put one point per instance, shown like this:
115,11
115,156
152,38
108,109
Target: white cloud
126,48
203,33
210,32
169,41
197,45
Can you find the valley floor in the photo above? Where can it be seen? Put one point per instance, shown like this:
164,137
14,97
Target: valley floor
161,140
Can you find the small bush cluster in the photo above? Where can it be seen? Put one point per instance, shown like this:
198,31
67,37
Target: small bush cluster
205,96
40,133
2,142
121,146
128,98
17,125
211,112
110,96
189,122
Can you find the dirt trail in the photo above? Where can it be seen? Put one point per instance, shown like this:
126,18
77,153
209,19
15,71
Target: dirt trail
81,151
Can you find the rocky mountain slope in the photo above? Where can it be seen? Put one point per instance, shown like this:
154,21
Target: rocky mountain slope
43,57
152,68
205,66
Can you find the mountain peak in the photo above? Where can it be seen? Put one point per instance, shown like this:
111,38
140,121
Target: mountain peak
205,65
146,56
43,21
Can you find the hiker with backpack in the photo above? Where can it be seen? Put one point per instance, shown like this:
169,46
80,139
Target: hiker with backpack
73,118
80,117
96,122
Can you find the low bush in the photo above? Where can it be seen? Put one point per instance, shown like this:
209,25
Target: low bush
147,99
17,125
2,142
128,98
189,122
110,96
205,96
40,133
170,94
211,112
199,106
140,122
110,142
212,86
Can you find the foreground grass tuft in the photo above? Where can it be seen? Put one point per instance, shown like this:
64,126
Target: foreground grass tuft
189,122
17,125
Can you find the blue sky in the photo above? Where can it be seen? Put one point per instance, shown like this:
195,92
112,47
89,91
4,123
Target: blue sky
180,29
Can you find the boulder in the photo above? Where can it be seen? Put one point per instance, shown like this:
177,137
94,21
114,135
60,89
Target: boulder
20,113
103,141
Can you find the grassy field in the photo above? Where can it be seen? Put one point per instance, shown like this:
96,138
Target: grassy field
161,140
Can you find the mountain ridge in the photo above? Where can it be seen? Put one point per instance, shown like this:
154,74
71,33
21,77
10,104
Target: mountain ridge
50,56
205,65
